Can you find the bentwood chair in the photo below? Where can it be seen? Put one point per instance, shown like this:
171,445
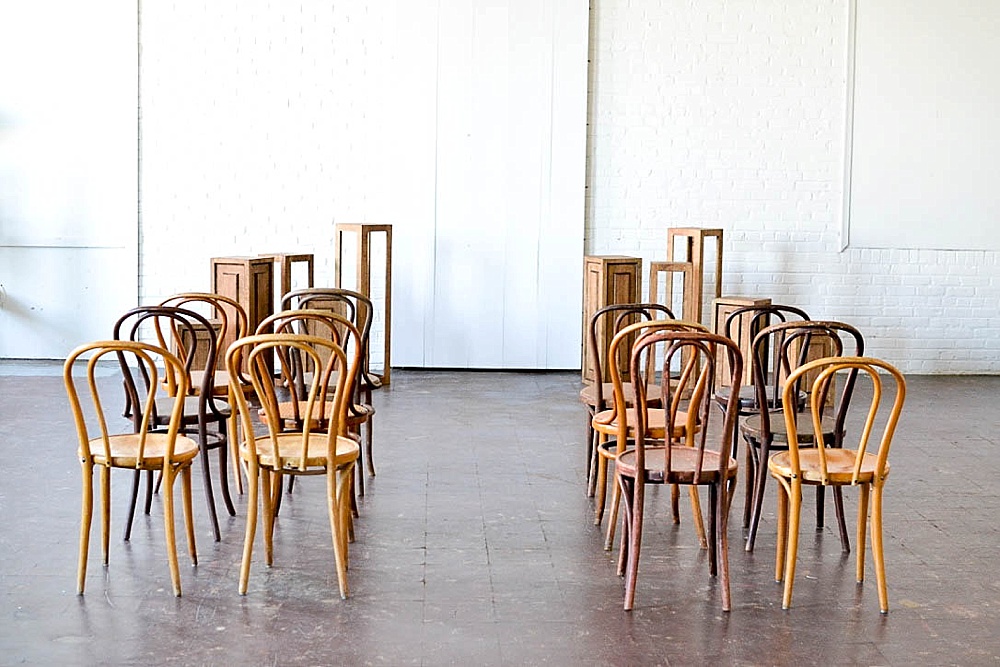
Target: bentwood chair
791,345
205,415
230,321
607,423
359,309
741,325
677,451
279,451
314,322
596,396
864,465
165,451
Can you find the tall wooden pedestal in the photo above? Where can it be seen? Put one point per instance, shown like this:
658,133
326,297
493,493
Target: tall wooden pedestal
608,279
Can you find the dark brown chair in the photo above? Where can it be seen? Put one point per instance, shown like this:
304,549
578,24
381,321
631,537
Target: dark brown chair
786,346
166,451
678,454
597,395
741,325
865,465
205,417
359,309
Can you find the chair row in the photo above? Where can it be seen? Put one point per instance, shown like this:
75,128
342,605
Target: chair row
303,370
664,373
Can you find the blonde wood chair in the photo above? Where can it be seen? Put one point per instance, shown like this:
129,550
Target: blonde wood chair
672,449
615,435
292,375
865,466
168,452
278,452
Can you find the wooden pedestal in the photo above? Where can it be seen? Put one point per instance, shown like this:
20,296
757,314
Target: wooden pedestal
672,269
693,241
283,264
608,279
363,284
249,281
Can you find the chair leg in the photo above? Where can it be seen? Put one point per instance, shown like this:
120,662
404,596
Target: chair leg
634,544
722,516
878,555
601,489
133,499
820,505
590,454
838,506
168,529
368,445
86,517
105,482
338,483
616,498
224,479
189,514
253,482
713,516
751,469
206,476
626,492
782,537
697,517
595,441
861,530
760,481
791,553
267,514
232,436
359,470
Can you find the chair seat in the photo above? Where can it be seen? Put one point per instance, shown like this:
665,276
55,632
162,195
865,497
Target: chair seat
682,465
360,413
165,405
588,395
125,450
604,422
290,448
751,428
839,464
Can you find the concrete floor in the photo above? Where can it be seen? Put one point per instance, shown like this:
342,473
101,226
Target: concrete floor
476,546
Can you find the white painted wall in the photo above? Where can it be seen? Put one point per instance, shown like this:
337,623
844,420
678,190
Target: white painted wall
68,173
460,123
725,114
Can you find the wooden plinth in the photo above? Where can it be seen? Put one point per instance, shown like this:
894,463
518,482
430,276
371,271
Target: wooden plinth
608,279
692,240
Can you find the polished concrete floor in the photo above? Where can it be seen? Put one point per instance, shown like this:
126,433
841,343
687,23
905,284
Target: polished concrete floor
476,546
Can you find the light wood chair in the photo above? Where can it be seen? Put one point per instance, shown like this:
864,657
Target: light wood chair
168,452
672,449
615,435
278,452
865,466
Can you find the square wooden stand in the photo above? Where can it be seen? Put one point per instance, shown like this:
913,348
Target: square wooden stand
283,263
364,234
693,240
686,271
608,279
743,331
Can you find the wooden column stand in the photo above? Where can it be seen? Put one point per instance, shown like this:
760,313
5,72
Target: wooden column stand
283,262
693,239
686,270
364,233
248,280
607,279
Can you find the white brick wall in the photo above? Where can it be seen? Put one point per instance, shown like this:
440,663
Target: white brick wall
263,124
714,113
